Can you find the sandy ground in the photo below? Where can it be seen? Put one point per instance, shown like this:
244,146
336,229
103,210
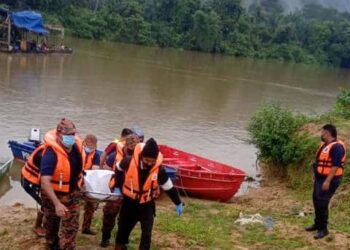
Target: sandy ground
16,223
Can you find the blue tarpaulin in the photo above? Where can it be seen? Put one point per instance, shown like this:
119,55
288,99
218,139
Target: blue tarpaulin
29,20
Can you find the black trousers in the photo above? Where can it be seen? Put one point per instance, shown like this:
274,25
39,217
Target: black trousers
130,213
321,200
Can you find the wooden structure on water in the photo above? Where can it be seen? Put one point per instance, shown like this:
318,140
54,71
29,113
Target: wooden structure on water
20,32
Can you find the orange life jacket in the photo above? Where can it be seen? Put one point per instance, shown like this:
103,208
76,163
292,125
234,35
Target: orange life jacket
88,159
118,158
60,180
30,171
324,161
131,186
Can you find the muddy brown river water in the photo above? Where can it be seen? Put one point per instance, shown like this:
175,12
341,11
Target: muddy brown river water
197,102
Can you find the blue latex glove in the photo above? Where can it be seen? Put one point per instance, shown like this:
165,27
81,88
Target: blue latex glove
117,191
179,209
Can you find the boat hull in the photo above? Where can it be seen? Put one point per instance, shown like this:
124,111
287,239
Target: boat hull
4,168
203,178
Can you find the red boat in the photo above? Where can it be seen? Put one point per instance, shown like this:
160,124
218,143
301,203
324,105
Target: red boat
202,178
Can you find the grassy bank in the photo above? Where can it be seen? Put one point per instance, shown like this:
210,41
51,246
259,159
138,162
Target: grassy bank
287,141
209,225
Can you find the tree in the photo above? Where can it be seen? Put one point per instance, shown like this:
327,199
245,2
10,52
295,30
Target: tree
206,30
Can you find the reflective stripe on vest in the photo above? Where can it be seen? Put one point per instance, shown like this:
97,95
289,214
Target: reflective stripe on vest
324,160
30,172
60,180
131,184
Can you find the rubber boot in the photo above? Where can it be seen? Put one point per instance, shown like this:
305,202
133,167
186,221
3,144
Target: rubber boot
120,247
39,219
105,240
38,228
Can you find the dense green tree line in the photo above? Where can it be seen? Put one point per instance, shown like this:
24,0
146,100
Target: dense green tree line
311,35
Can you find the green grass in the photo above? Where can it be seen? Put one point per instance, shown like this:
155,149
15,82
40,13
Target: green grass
207,225
262,239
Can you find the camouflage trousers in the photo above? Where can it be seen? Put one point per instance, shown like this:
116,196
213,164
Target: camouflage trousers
62,231
110,212
89,209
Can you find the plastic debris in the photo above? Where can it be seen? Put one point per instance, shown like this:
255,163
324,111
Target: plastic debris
247,219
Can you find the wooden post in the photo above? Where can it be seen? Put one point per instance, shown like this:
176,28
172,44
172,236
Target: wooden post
9,32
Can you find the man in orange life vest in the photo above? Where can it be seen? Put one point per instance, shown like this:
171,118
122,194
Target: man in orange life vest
61,175
91,160
328,172
30,181
112,147
143,176
111,209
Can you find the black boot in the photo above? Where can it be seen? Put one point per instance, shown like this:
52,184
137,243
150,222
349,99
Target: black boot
321,234
311,228
105,240
55,244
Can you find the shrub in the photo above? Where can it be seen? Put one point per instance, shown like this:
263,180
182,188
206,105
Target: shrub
342,105
275,132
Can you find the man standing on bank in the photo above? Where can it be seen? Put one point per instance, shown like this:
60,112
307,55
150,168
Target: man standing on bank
328,172
61,175
143,175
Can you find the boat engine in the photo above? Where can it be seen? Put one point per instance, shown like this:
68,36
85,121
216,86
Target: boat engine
34,136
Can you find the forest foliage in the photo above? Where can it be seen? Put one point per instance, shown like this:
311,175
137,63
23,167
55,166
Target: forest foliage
313,35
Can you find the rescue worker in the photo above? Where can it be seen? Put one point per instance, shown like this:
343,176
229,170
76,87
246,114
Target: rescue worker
328,172
112,147
30,181
143,176
91,160
111,209
139,132
61,175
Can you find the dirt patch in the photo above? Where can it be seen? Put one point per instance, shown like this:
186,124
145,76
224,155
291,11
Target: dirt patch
273,196
16,225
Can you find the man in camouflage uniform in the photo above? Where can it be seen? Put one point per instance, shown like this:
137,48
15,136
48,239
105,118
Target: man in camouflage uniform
65,239
91,158
61,173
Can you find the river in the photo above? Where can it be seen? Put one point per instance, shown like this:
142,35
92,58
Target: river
197,102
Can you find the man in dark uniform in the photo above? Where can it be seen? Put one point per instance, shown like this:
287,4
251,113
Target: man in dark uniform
143,175
111,209
328,172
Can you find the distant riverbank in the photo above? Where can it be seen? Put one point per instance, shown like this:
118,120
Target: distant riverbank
313,35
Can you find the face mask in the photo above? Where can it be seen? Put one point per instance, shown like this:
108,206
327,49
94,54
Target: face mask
87,149
68,140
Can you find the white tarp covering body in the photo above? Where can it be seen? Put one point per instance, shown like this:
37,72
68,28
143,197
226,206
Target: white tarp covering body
96,185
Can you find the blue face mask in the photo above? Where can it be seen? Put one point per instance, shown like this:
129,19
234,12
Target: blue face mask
87,149
68,140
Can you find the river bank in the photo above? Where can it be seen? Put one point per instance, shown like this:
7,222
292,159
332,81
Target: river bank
210,225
